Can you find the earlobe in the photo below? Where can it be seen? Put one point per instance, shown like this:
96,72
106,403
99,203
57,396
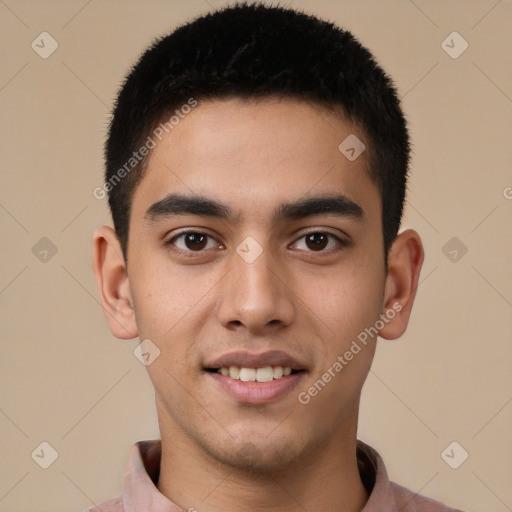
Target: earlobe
113,284
405,260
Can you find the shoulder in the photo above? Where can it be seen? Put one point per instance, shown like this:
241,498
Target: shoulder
112,505
407,501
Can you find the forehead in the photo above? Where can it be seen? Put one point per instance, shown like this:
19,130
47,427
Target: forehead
253,156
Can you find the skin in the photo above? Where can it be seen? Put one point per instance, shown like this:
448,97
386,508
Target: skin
219,454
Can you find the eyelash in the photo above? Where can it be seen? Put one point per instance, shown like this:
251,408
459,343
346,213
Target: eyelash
170,243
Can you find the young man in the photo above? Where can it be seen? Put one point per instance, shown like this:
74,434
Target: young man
256,167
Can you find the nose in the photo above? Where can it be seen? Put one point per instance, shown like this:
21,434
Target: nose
256,295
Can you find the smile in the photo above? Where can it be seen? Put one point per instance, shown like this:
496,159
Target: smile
265,374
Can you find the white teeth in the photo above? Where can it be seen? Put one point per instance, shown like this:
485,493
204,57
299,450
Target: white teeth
265,374
278,372
234,372
247,374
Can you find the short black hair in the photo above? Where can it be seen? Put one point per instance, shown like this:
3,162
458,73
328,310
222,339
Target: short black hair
257,51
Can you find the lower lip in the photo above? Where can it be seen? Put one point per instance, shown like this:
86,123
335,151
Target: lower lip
257,392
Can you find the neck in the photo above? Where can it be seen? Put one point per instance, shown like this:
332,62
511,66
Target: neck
327,478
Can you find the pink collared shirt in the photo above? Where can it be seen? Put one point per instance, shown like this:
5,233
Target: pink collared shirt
140,493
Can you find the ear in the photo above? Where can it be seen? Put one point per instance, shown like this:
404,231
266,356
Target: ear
113,284
405,260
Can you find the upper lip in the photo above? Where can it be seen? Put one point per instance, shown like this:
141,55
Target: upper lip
246,359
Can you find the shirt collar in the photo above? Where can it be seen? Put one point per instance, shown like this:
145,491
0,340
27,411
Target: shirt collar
140,493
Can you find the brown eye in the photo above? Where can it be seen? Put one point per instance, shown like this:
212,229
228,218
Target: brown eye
316,241
192,241
195,241
320,242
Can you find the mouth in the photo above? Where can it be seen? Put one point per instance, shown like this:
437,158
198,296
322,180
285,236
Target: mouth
255,378
263,374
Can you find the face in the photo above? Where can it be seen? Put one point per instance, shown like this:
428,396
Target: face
277,263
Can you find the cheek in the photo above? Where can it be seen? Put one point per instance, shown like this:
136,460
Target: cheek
343,311
163,297
156,311
170,308
345,300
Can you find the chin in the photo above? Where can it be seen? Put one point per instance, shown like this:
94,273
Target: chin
249,455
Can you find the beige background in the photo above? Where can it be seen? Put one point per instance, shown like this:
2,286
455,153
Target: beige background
65,380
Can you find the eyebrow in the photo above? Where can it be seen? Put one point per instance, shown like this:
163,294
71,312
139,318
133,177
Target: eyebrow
178,204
